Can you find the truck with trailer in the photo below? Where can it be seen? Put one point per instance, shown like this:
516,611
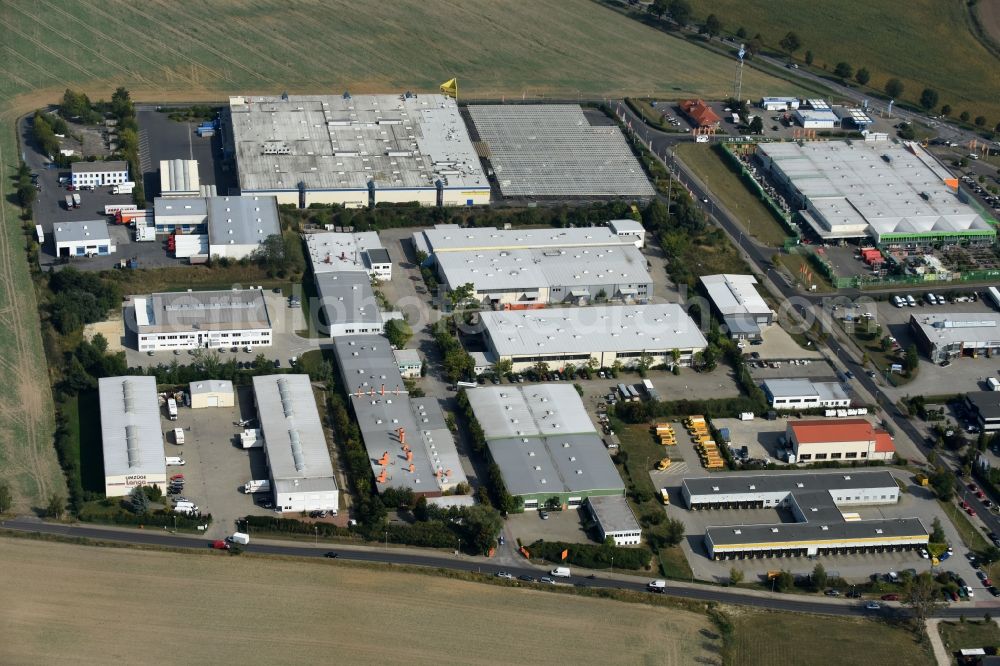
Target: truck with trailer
69,202
172,409
257,486
111,209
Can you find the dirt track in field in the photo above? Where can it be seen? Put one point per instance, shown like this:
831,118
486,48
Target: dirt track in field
104,605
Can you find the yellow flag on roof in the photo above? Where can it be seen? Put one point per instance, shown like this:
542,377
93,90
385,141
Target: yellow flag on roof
450,88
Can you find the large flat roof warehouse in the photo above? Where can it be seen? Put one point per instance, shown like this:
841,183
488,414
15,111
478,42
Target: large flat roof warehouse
893,193
453,238
332,252
297,452
407,439
130,433
234,309
535,268
405,146
735,294
543,440
655,327
242,220
552,150
970,328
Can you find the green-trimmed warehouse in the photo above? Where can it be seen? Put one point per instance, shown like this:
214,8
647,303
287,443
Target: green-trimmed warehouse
544,443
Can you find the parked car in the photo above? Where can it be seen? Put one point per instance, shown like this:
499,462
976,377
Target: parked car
873,606
504,574
890,597
220,544
832,593
544,515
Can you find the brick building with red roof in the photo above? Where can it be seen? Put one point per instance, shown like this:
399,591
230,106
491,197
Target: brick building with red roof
841,440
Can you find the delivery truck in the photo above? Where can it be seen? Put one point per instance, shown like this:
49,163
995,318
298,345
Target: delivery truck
76,200
241,538
123,188
178,435
69,202
172,409
257,486
657,586
175,461
561,572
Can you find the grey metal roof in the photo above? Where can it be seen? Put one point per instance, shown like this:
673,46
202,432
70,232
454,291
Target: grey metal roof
203,310
164,207
949,328
293,435
245,220
370,376
529,411
804,532
453,238
98,167
130,426
618,328
334,252
614,513
731,484
347,297
735,294
553,150
540,268
340,142
986,403
792,388
89,231
556,464
379,255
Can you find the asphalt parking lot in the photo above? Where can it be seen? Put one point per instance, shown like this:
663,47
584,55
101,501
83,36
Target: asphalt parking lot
163,139
217,467
560,526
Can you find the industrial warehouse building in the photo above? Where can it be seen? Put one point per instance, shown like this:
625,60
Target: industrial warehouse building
779,103
845,440
734,297
545,444
179,178
199,319
552,150
942,335
805,394
232,227
821,505
899,196
96,174
408,441
298,459
212,393
130,435
816,114
356,150
533,278
985,406
615,519
83,239
625,333
445,238
629,229
344,265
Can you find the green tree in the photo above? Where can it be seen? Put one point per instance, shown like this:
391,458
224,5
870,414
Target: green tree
757,125
929,98
56,506
912,359
819,577
138,502
675,356
809,57
460,294
713,26
26,194
946,110
790,43
398,332
893,88
680,11
863,76
980,121
922,598
964,116
735,576
843,70
658,8
6,497
541,368
644,363
990,554
271,254
673,532
943,483
75,105
503,367
937,532
783,581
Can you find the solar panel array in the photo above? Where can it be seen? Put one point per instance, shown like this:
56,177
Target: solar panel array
553,150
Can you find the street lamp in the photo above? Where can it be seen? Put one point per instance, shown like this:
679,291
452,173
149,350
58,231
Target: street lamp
316,535
612,565
387,539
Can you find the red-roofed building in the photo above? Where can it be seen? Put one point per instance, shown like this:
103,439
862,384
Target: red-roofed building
699,113
843,440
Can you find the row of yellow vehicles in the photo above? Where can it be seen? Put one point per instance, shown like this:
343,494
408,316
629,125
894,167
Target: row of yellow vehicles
708,450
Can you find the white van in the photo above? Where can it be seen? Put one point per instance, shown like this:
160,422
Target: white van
175,461
560,572
178,435
898,301
657,586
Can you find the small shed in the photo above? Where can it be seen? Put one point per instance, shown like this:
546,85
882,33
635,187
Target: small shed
212,393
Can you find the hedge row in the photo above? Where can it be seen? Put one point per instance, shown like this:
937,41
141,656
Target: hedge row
591,556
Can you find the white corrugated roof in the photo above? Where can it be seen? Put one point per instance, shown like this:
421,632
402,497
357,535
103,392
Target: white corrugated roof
130,426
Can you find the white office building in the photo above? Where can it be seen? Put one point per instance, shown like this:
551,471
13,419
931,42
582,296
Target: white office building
96,174
744,312
199,319
298,457
805,394
629,229
83,239
615,519
130,435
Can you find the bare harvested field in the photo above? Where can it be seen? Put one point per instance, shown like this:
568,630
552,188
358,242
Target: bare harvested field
66,602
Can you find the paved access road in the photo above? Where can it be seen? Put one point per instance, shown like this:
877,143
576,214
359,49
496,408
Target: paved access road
480,565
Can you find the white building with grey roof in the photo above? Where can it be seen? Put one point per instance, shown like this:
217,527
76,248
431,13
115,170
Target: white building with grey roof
735,298
805,394
826,521
199,319
179,178
96,174
231,227
947,335
130,434
624,333
298,458
408,441
356,150
83,239
544,443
